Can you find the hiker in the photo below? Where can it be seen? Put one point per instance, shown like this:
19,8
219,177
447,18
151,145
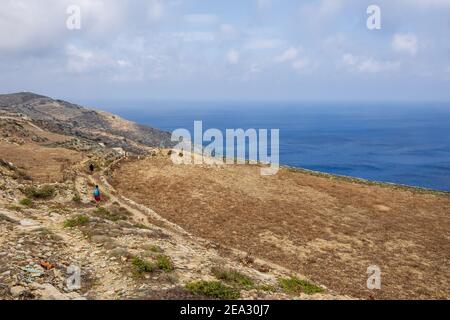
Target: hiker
97,194
91,168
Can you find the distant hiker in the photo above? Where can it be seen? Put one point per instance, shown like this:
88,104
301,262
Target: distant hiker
97,194
91,168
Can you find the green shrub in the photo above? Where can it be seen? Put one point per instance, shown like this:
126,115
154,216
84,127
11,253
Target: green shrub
232,277
76,198
26,202
77,221
44,192
114,215
156,249
295,286
141,226
164,263
142,266
213,289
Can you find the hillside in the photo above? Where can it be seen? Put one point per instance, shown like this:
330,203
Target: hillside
125,250
65,118
165,231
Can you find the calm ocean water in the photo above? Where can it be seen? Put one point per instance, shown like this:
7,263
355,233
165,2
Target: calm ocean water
406,144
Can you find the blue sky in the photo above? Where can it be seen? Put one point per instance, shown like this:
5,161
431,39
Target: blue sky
312,50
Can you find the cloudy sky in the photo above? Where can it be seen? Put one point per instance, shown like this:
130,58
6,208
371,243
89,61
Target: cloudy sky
307,50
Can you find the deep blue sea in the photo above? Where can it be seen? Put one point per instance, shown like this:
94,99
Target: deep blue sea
399,143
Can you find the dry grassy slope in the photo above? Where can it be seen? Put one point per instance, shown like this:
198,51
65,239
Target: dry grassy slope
37,245
330,229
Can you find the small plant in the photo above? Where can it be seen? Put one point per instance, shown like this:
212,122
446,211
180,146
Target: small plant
103,213
76,198
141,226
44,192
77,221
295,286
164,263
213,289
26,202
142,266
232,277
114,215
156,249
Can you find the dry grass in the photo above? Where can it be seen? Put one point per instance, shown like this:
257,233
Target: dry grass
40,163
330,230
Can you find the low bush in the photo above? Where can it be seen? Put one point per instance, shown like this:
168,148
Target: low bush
115,214
77,221
76,198
141,266
44,192
213,289
164,263
26,202
232,277
295,286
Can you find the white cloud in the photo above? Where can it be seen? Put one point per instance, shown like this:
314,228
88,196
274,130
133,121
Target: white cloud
367,64
288,55
81,60
405,42
30,25
233,56
85,61
42,24
183,43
